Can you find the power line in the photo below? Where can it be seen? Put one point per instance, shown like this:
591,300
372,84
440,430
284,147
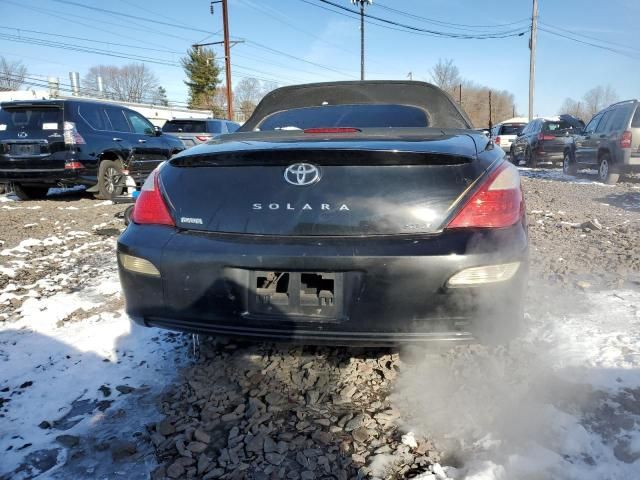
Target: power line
422,31
591,44
589,37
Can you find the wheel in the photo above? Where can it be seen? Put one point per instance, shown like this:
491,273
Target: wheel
512,157
24,192
109,180
605,171
530,158
568,166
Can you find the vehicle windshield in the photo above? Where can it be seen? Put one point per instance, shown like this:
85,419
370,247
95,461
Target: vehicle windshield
358,116
31,119
512,129
185,126
555,126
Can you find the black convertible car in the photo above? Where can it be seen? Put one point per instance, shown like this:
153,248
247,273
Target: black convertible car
343,213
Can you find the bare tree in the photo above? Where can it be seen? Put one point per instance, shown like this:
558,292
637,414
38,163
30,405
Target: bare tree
574,107
248,93
129,83
268,87
11,74
446,75
597,98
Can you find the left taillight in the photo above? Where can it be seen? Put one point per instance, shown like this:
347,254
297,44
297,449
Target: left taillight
497,203
203,138
150,208
71,134
626,139
497,140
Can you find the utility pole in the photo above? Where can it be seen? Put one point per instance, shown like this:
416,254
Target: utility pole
410,75
532,57
227,59
361,3
490,112
460,95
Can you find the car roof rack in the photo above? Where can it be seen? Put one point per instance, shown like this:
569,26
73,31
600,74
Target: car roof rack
623,101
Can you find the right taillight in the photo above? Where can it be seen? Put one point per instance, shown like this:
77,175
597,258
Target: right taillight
150,207
71,134
498,202
625,139
203,138
497,140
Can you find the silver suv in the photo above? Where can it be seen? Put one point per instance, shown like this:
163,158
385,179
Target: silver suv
610,142
195,131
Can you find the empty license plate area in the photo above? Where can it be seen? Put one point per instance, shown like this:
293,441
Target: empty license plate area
20,149
318,295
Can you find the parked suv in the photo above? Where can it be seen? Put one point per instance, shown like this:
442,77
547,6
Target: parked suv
194,132
545,139
610,142
505,133
45,143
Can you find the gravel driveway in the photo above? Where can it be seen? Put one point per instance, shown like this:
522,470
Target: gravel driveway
85,395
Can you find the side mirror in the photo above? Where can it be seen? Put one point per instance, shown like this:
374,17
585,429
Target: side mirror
157,130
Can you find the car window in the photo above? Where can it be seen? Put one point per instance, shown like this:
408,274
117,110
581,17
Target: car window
31,119
232,127
357,116
118,121
94,115
185,126
591,126
605,121
511,129
214,127
139,124
635,123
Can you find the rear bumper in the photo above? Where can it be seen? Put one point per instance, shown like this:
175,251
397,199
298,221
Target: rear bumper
394,289
49,176
631,159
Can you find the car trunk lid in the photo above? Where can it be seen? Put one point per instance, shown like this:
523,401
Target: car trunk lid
31,135
288,184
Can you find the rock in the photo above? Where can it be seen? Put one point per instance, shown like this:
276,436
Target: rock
269,445
360,435
215,473
354,423
201,436
274,458
203,463
122,449
312,397
175,470
197,447
125,389
591,225
68,441
44,425
160,473
255,445
307,475
165,427
348,391
106,391
358,458
274,398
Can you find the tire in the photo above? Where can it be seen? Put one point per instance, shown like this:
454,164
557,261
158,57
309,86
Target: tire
3,188
605,171
29,193
530,158
109,176
568,165
513,158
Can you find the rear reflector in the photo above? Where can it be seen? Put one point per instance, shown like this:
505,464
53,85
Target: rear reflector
625,139
73,165
498,202
203,138
332,130
150,207
138,265
482,275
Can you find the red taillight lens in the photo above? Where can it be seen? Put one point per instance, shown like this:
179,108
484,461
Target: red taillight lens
73,165
332,130
497,140
150,207
544,136
625,139
498,202
71,134
203,138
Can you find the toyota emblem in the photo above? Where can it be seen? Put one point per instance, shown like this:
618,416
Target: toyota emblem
302,174
22,134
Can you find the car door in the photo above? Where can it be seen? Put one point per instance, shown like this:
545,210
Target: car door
531,138
603,131
520,141
149,149
585,142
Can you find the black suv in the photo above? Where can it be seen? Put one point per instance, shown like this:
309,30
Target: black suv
610,142
46,143
545,139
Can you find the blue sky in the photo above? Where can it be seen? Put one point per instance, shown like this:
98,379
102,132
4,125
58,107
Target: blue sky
326,44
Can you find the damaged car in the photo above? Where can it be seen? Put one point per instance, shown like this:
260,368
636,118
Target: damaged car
340,213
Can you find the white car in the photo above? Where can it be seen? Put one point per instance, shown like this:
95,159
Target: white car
506,132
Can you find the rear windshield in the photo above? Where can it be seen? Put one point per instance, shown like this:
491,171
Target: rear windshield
635,123
358,116
31,119
512,129
553,126
185,126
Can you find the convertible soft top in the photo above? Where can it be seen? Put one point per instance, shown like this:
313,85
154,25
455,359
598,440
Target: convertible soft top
441,110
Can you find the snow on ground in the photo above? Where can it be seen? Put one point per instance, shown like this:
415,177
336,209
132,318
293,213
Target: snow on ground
556,174
562,403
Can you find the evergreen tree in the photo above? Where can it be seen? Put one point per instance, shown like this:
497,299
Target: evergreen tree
202,77
160,97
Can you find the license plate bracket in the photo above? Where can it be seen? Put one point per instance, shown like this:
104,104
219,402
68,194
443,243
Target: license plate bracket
297,296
